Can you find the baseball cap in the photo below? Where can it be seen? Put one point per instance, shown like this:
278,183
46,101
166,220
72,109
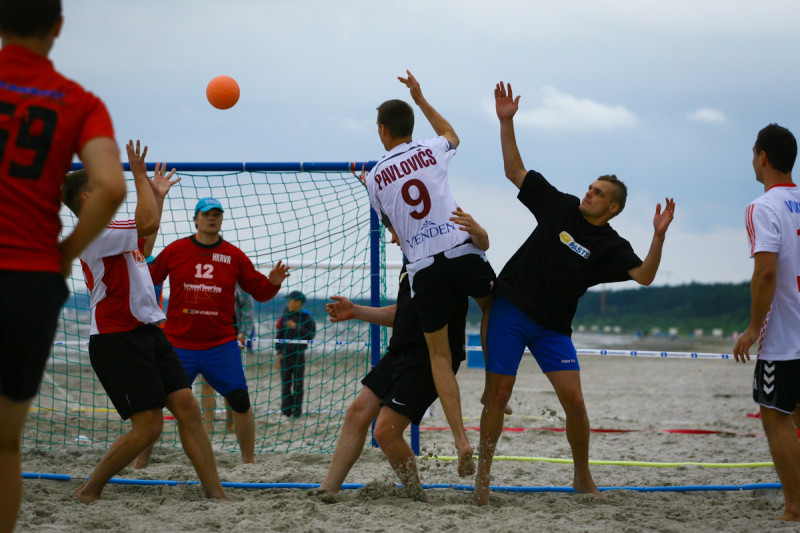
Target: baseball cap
207,204
296,295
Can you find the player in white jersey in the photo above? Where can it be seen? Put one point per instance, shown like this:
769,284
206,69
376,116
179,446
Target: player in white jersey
114,265
130,354
773,226
409,187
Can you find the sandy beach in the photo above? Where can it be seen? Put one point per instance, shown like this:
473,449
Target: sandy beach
643,395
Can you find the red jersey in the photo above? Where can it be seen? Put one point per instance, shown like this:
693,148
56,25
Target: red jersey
44,120
202,280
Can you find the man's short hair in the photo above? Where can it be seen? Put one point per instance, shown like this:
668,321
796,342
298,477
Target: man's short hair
29,18
398,117
74,184
780,146
620,191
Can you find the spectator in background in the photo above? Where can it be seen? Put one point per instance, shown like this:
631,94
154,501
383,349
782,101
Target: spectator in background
296,324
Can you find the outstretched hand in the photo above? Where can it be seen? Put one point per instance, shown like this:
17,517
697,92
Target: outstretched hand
504,102
278,274
413,85
135,158
662,220
161,183
342,309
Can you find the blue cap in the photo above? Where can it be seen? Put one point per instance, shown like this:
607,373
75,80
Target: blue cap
296,295
207,204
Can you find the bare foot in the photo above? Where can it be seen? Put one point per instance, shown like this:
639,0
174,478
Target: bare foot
416,493
466,462
325,495
141,462
789,517
586,487
216,494
82,496
481,494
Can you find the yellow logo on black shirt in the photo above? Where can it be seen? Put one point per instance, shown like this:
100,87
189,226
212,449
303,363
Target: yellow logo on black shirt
567,239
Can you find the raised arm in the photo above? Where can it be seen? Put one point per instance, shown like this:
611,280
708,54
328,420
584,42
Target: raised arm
480,237
150,194
762,292
343,309
100,157
645,273
437,121
506,107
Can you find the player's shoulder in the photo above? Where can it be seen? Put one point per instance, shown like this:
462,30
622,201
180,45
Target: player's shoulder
183,241
230,247
768,200
182,245
437,143
227,248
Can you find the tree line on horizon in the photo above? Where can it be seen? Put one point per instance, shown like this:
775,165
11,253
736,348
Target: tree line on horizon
687,307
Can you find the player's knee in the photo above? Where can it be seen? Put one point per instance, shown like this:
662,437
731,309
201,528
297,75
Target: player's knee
500,398
183,404
386,433
152,433
147,426
360,413
239,400
574,405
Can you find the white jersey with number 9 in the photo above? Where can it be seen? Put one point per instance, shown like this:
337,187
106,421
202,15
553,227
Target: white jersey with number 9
409,187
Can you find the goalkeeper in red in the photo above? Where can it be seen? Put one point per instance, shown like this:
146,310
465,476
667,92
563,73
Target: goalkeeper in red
203,271
409,187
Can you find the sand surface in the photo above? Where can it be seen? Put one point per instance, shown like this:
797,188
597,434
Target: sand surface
646,395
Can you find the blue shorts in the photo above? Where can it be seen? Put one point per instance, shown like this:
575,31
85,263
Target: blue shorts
220,365
510,331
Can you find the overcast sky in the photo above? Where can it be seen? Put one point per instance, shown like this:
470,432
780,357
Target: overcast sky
667,95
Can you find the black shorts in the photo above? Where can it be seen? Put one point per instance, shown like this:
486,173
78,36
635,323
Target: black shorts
138,368
776,384
409,390
439,286
30,303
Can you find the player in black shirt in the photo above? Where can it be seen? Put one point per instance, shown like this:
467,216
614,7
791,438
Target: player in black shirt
399,389
537,292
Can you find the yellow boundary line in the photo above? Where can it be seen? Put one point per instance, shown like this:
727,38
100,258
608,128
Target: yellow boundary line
609,463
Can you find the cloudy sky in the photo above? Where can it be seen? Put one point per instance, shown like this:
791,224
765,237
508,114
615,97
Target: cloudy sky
668,95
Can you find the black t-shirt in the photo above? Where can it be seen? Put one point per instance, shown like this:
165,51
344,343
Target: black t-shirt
564,256
407,343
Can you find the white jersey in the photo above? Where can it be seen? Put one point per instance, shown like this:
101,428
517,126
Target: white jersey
773,225
118,278
409,187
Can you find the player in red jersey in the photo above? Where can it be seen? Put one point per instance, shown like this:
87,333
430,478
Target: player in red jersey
203,271
44,120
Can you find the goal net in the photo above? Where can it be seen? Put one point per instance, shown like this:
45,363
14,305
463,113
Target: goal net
314,216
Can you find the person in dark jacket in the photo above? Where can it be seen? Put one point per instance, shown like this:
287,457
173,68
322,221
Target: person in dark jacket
294,325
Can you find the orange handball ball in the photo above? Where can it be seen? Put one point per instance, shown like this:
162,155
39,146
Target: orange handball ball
222,92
